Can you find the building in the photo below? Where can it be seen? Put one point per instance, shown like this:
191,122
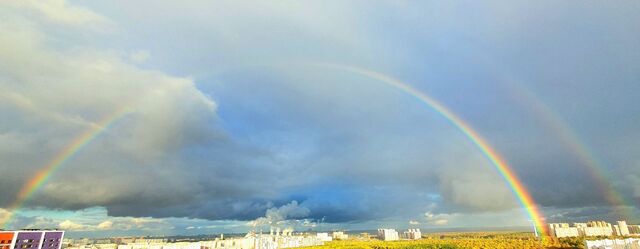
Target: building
413,234
563,230
613,244
388,234
590,229
324,237
6,239
616,230
31,239
250,241
597,228
624,230
338,235
634,229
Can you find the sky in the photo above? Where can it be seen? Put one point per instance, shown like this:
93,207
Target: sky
234,121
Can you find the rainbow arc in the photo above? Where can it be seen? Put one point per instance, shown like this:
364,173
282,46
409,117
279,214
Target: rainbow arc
500,164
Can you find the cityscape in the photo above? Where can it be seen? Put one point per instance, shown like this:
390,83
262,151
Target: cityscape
596,234
319,124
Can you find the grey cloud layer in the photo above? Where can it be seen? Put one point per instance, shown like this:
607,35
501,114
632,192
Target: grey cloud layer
242,139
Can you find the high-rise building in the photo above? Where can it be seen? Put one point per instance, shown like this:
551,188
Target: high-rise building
32,239
388,234
413,234
624,230
6,239
616,230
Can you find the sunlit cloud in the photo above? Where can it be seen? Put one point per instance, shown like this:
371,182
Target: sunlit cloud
226,129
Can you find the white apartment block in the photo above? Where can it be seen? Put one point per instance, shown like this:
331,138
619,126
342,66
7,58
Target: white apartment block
324,237
613,244
413,234
589,229
338,235
251,241
622,226
388,234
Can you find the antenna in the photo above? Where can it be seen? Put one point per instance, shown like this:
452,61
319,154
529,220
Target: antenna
535,229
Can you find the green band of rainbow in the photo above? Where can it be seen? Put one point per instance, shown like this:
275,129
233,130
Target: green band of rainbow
572,140
500,164
41,177
516,185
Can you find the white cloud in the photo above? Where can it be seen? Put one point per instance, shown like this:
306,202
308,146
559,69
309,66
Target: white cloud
276,216
59,11
428,215
105,225
440,222
71,226
66,91
436,219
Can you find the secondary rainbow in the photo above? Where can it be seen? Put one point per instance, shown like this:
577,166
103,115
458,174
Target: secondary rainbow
515,184
41,177
497,161
571,140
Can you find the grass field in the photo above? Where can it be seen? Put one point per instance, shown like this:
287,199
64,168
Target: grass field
480,240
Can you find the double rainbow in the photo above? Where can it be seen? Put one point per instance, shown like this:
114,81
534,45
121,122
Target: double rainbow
516,185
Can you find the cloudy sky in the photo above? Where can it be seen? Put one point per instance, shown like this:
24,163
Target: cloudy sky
232,122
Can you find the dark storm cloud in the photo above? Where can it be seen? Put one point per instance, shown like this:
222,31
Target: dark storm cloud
239,140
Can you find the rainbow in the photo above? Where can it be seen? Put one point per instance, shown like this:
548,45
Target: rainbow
41,177
572,141
516,185
76,145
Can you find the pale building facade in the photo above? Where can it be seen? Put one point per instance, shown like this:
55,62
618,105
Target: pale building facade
388,234
413,234
339,235
630,243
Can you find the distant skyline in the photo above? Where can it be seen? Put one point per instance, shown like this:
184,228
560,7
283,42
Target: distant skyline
168,118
